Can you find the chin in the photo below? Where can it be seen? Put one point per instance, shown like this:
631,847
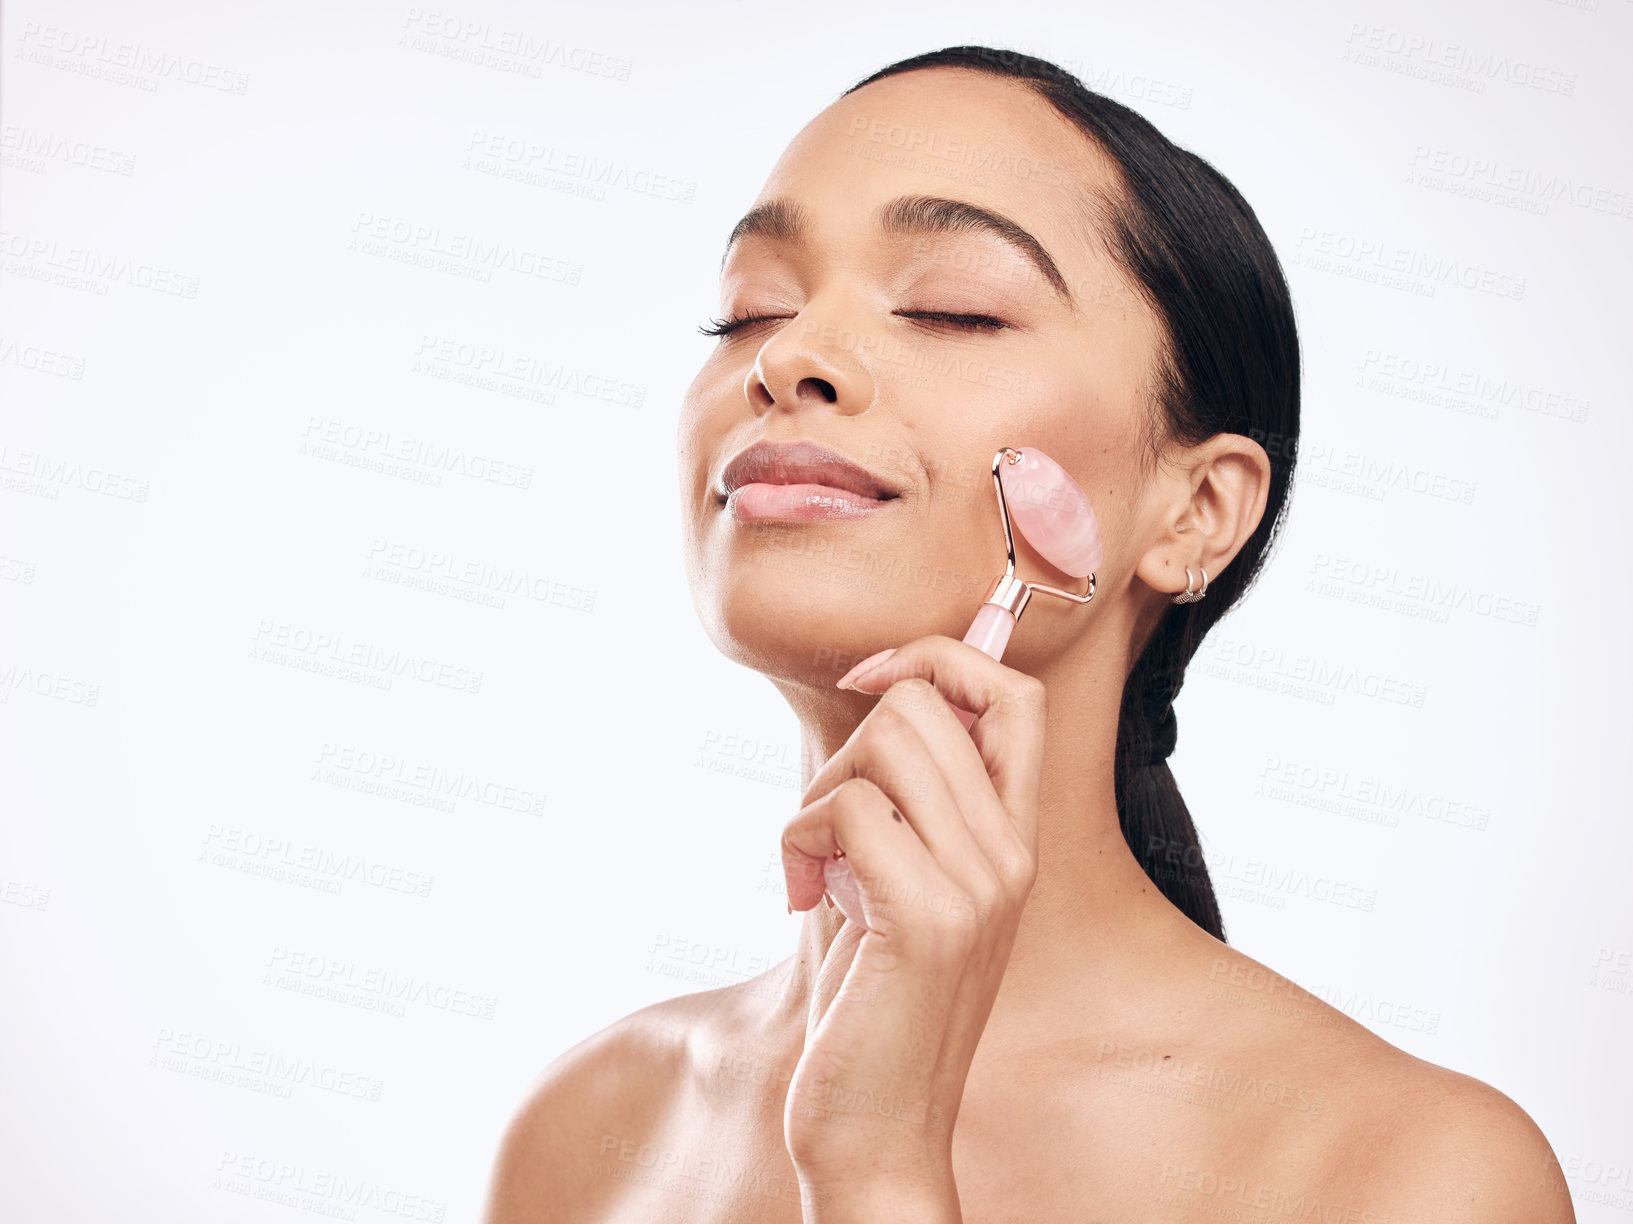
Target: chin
803,619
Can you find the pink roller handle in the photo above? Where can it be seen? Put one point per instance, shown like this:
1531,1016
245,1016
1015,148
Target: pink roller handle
989,633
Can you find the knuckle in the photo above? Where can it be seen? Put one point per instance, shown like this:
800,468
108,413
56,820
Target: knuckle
885,735
887,720
911,693
856,793
990,889
846,802
986,890
1019,871
1031,697
892,758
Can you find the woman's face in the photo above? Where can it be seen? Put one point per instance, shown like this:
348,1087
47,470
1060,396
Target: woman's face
849,360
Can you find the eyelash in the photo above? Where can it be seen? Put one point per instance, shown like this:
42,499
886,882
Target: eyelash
973,322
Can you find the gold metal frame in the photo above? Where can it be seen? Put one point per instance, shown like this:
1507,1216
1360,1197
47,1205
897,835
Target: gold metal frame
1009,592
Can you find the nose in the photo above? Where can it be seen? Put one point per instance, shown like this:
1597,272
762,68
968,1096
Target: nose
809,364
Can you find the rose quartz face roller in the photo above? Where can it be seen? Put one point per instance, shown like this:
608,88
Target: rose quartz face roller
1055,518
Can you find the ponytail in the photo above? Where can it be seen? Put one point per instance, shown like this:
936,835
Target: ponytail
1156,823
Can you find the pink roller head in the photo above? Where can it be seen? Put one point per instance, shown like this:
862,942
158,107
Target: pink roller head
1047,507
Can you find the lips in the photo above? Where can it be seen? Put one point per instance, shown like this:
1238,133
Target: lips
791,463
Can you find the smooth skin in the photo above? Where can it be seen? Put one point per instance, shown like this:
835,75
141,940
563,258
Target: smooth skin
1027,1030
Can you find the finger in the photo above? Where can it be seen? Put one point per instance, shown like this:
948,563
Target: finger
963,771
1010,708
943,791
885,854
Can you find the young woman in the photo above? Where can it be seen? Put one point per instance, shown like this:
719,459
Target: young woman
967,251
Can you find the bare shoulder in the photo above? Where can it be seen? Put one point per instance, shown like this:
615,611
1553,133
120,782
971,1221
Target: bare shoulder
1432,1143
1458,1149
609,1089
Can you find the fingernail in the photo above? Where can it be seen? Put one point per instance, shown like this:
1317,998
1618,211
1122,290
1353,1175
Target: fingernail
865,666
790,907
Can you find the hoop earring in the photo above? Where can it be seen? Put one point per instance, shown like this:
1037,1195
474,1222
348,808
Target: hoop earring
1188,595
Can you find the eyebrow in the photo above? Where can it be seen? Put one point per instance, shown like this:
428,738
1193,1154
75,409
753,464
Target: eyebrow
787,221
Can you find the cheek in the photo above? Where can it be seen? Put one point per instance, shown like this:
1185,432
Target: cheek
1068,418
701,425
695,400
686,439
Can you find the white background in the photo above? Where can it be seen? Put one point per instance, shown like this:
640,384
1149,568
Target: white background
208,271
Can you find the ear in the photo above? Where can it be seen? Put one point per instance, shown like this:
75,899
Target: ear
1212,496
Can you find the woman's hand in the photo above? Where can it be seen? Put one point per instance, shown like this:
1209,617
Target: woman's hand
939,826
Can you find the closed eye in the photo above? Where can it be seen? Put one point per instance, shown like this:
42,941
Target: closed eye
971,322
975,322
724,327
